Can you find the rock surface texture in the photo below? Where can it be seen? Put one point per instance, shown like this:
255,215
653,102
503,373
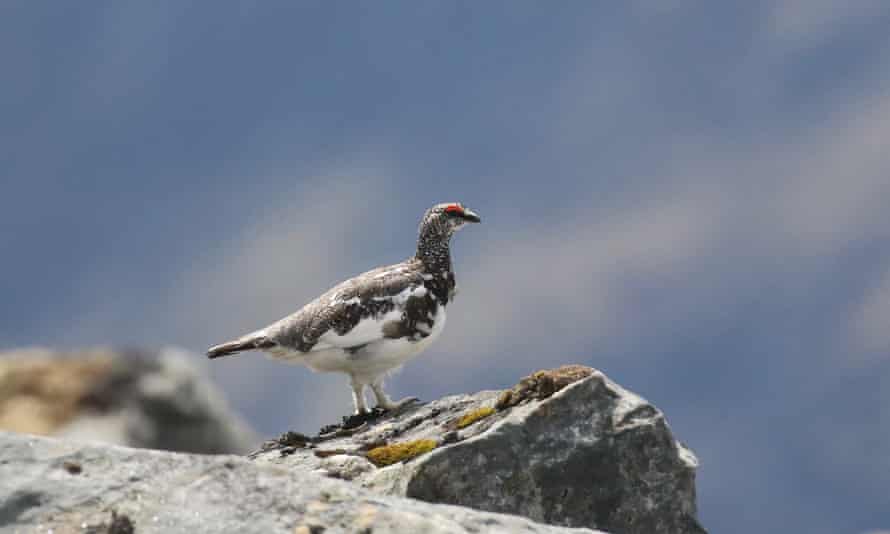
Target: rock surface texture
49,485
565,447
155,400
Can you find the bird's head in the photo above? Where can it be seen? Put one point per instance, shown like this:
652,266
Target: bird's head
446,218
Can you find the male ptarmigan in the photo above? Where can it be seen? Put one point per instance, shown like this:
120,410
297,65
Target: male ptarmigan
369,325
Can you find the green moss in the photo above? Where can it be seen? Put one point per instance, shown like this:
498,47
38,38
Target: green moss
399,452
471,417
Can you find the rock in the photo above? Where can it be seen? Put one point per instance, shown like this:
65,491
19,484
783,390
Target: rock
541,385
152,400
121,491
566,446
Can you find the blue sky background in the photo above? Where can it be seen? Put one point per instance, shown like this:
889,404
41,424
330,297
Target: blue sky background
689,196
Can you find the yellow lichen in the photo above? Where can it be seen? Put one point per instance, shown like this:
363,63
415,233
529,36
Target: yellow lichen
471,417
399,452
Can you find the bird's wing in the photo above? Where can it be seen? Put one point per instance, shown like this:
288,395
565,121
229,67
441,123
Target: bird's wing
352,313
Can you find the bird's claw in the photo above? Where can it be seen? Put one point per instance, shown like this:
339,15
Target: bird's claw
396,405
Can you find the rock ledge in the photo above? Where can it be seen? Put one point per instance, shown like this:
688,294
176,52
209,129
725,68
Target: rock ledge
565,446
67,488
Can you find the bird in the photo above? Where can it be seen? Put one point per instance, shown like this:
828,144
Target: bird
370,325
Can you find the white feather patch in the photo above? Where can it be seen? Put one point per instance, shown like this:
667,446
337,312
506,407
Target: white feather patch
370,328
376,359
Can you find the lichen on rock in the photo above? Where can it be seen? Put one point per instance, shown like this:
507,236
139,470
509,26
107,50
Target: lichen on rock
400,452
472,416
542,384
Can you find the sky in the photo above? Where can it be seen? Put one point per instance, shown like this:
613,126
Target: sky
688,196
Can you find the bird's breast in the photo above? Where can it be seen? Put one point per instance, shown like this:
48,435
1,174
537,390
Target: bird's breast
389,353
380,356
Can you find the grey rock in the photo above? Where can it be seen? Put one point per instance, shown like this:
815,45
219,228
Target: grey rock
50,485
591,454
157,400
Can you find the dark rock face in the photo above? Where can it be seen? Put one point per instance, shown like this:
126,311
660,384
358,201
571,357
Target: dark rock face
118,490
593,456
139,399
566,446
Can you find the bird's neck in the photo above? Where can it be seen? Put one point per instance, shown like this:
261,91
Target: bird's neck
434,251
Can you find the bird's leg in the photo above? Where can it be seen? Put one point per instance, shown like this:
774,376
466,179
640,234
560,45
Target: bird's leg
385,402
358,396
383,399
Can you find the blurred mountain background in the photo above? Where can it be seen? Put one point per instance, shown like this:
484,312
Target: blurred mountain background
691,197
153,400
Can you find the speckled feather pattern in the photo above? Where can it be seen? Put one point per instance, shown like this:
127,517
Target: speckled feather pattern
374,294
371,294
373,323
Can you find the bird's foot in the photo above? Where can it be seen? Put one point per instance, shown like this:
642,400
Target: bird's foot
353,421
358,417
391,406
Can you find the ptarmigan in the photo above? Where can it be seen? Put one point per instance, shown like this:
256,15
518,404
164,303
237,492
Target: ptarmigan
370,325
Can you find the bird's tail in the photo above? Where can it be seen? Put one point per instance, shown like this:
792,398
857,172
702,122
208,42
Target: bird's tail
249,342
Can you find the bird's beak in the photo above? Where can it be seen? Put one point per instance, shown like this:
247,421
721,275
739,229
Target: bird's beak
471,216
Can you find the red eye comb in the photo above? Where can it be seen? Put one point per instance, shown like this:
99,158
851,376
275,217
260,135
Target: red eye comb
454,208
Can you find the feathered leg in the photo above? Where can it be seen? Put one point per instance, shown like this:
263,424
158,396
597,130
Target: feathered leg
358,396
385,402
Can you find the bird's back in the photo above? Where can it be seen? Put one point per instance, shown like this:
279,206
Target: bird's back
339,310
